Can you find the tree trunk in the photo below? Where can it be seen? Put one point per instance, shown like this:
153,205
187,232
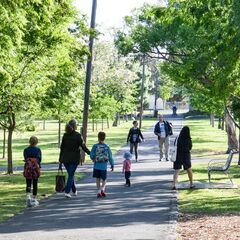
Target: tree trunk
9,152
107,123
231,132
212,119
102,124
238,145
219,123
4,144
115,122
96,125
223,122
59,132
93,125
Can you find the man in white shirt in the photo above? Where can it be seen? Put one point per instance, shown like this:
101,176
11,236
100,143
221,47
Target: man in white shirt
163,130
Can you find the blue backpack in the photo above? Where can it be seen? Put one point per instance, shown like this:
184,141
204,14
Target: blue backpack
102,153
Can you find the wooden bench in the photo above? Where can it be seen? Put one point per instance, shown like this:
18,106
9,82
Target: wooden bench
220,166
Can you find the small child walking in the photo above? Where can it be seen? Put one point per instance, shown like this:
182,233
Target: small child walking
101,155
32,158
127,167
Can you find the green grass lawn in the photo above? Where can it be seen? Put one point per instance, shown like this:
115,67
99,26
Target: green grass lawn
209,143
115,137
12,190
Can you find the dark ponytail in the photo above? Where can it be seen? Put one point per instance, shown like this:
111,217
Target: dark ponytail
71,126
68,129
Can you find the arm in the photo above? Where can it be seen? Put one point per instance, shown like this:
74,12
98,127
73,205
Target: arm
25,155
83,145
93,153
123,167
156,129
61,149
39,157
190,144
111,161
129,135
140,134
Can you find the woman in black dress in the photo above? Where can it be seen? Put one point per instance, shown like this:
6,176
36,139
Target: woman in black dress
184,146
134,137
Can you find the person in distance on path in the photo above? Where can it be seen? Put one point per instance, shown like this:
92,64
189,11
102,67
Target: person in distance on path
135,137
163,130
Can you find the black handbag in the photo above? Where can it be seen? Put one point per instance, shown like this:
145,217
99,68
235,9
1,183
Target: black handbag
60,181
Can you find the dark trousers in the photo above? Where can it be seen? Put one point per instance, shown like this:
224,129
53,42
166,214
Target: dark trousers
29,183
135,147
71,168
127,177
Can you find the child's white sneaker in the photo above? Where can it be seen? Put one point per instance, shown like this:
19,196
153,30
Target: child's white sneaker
28,201
68,195
35,202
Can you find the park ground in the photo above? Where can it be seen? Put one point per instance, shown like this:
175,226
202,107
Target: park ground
203,213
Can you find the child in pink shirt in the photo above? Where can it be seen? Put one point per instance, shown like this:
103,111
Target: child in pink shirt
127,167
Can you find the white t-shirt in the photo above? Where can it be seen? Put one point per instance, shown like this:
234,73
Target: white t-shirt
162,130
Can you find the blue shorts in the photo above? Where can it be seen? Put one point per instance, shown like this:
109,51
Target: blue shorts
102,174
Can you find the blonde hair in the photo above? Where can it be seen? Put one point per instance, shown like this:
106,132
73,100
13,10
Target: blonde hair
33,141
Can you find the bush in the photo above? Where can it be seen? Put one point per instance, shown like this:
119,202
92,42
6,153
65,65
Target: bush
30,128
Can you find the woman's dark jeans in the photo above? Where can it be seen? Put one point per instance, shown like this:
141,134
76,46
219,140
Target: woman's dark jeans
71,168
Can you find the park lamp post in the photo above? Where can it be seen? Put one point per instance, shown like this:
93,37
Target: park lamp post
88,75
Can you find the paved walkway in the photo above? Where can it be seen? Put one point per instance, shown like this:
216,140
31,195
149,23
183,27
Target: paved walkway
145,211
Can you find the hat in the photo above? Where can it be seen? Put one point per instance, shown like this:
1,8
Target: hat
127,155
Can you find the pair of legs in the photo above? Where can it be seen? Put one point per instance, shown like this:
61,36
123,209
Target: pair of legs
29,183
164,142
135,147
176,173
127,177
31,202
101,184
71,168
101,177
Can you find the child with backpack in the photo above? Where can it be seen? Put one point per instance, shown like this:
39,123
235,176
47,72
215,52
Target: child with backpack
32,158
127,167
101,155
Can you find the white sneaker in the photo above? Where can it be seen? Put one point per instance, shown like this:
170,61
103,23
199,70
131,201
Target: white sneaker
68,195
28,202
34,202
75,193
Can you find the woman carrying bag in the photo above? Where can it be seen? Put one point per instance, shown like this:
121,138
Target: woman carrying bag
70,154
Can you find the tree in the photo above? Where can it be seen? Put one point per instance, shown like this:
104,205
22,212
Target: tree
31,32
193,39
112,78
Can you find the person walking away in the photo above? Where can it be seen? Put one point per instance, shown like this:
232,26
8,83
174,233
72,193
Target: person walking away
70,154
163,130
32,158
135,137
174,109
127,168
184,146
101,156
